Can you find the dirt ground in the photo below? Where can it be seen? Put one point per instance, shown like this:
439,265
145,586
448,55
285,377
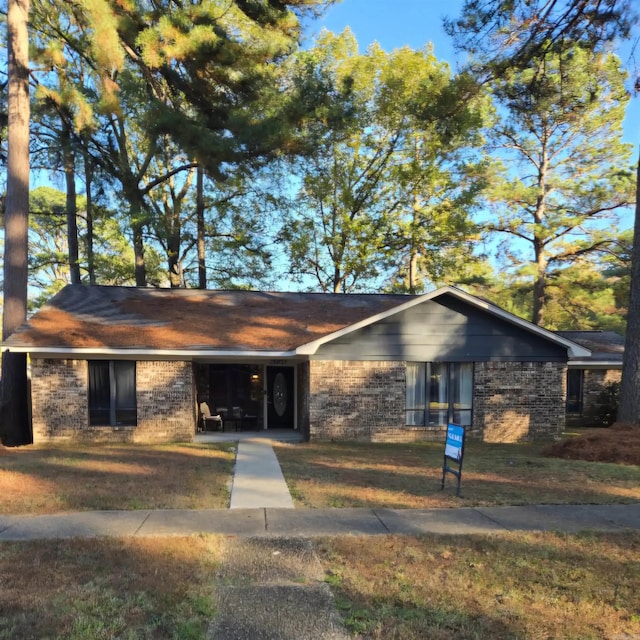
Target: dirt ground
618,443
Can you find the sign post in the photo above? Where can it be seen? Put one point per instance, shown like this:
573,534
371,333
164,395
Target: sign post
453,451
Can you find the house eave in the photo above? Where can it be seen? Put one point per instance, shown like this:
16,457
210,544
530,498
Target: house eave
594,364
147,354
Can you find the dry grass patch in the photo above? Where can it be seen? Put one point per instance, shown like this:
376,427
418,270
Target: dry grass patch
55,479
358,474
504,586
108,588
501,587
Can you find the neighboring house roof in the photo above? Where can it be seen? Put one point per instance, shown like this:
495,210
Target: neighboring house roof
84,319
607,347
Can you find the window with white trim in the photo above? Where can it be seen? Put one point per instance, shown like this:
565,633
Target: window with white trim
438,393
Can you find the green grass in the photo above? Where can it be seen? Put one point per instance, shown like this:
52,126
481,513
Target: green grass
107,589
358,474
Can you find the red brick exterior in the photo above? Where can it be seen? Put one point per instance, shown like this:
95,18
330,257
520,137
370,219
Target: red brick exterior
355,400
341,400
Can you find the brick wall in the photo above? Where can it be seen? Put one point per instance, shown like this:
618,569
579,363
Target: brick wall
365,401
517,401
164,393
166,401
59,407
355,400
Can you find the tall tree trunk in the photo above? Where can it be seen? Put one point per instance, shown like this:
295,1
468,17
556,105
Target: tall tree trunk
202,263
629,409
71,205
413,270
173,250
88,177
136,216
138,250
413,249
14,427
539,284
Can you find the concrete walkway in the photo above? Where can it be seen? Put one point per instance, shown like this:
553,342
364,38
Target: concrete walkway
309,523
257,478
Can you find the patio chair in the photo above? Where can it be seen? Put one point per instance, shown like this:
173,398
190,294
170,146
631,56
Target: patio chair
207,418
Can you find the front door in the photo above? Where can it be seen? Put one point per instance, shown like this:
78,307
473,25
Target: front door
280,398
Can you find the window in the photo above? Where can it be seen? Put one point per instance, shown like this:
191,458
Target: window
575,380
438,393
112,393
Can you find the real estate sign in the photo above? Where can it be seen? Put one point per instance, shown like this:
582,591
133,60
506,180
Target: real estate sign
453,450
455,442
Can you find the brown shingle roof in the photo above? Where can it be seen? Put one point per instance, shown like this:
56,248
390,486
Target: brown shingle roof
604,345
97,317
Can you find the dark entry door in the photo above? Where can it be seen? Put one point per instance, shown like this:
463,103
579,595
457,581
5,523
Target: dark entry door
280,397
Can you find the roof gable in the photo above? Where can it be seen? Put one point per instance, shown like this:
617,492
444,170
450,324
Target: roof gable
573,348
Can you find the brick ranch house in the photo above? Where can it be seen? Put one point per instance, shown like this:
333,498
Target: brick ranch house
114,364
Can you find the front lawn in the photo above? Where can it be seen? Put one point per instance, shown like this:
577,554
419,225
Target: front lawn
400,476
64,478
507,586
503,587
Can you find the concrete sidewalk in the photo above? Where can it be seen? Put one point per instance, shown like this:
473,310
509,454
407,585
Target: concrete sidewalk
309,523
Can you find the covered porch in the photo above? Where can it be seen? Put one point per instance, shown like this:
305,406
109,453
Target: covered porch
251,397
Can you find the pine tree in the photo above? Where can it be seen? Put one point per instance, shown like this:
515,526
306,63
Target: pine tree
14,427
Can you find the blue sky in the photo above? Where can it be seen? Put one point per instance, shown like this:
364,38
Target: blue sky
394,23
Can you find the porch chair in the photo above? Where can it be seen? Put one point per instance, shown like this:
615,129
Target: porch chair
207,418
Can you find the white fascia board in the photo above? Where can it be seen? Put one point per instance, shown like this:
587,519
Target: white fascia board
84,353
575,350
594,364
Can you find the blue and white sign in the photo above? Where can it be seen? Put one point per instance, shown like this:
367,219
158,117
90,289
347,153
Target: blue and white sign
455,442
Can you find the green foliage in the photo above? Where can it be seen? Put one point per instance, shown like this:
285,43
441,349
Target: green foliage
562,174
48,261
388,187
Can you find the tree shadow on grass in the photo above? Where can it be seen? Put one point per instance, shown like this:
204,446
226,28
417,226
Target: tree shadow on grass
394,478
115,477
499,586
107,588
